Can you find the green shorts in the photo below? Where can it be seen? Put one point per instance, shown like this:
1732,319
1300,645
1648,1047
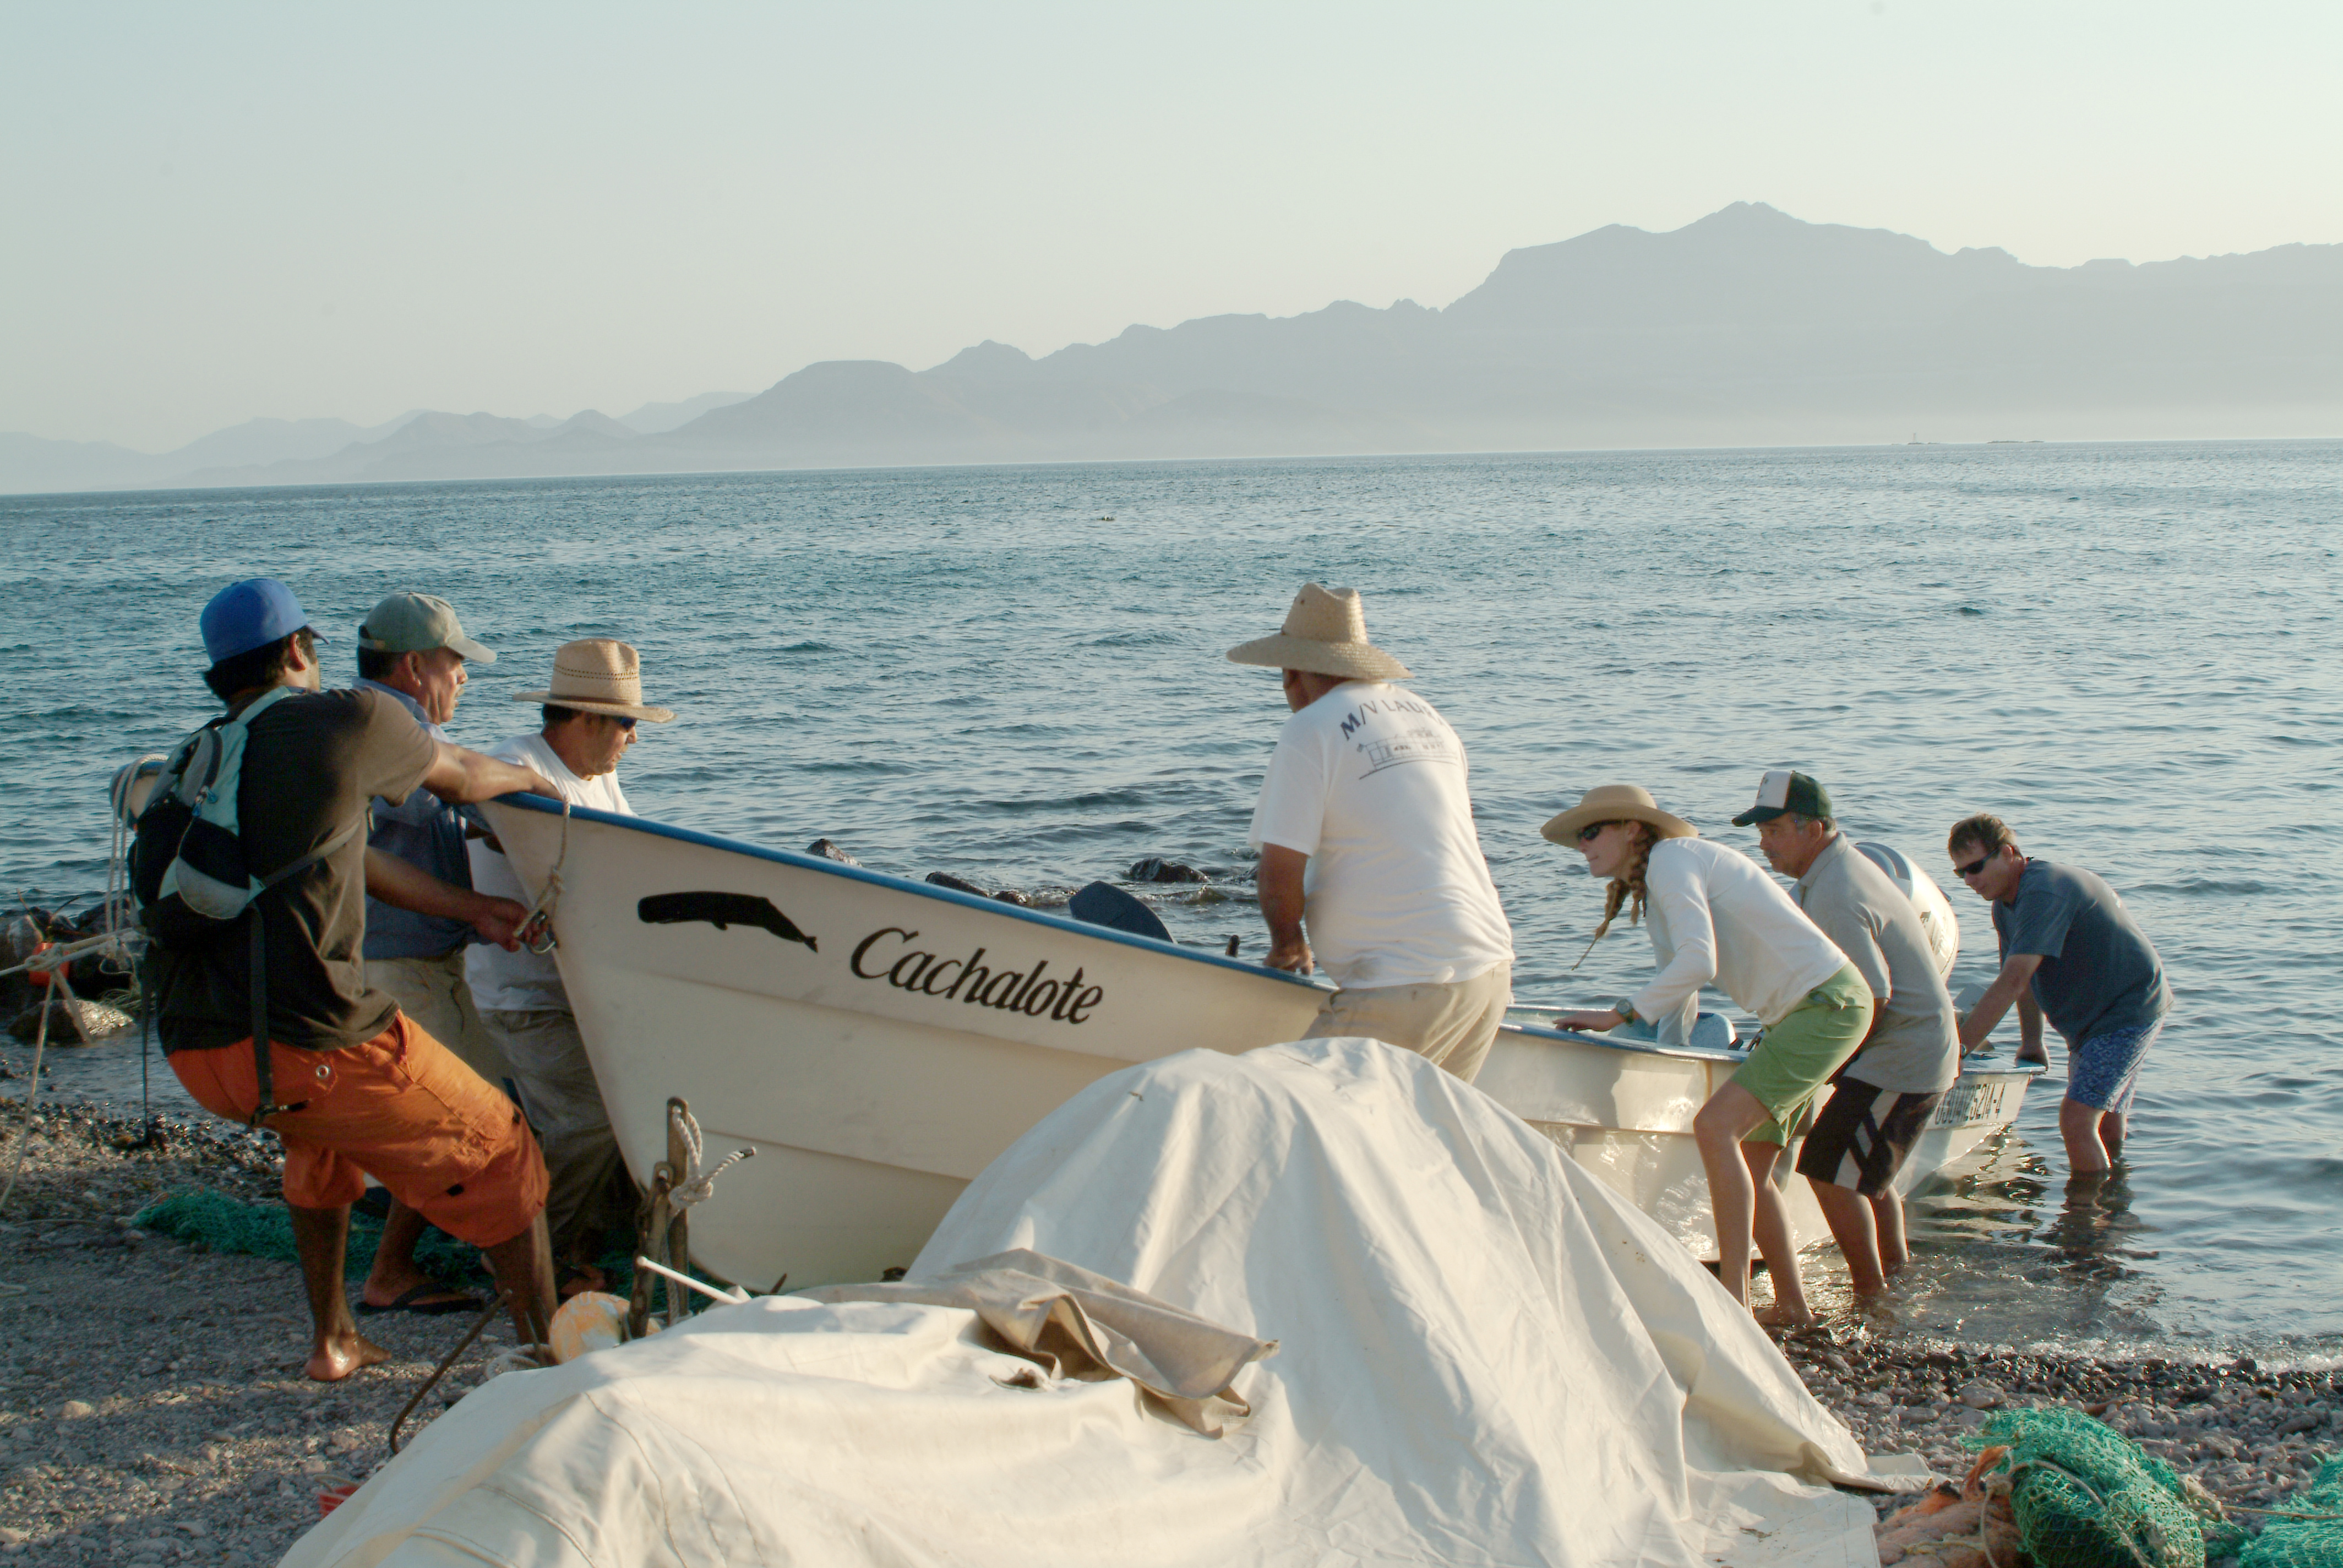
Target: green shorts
1798,1056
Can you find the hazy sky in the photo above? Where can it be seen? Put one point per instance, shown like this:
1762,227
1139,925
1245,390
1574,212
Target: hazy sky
223,211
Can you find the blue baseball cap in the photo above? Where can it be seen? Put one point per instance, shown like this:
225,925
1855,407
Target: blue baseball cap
251,614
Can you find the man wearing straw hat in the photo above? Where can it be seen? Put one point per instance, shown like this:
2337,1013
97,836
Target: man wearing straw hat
590,710
1367,838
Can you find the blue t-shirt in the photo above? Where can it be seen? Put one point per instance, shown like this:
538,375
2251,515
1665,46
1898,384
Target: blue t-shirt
2098,971
428,833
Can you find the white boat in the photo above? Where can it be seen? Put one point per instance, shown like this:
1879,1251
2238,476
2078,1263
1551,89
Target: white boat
879,1041
1623,1110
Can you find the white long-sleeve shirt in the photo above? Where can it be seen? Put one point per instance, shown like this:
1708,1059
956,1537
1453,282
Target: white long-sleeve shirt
1715,917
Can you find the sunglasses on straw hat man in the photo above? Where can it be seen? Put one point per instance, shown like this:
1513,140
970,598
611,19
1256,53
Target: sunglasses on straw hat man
599,675
1325,633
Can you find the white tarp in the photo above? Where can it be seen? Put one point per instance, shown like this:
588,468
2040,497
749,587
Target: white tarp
1485,1358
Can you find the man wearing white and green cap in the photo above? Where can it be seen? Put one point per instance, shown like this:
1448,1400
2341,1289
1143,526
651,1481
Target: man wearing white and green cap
1366,831
1883,1098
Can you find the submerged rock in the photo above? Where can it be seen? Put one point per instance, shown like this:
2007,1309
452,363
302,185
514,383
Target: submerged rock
1155,869
829,851
1011,895
957,884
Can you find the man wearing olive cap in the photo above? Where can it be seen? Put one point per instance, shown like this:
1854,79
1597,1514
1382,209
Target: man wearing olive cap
1366,831
412,649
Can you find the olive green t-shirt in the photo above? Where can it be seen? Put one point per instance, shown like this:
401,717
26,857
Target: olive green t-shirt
311,763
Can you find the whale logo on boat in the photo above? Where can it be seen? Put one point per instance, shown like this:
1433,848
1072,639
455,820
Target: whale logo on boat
721,911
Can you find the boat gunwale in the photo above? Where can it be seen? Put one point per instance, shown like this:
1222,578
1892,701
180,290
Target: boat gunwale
1975,1064
902,885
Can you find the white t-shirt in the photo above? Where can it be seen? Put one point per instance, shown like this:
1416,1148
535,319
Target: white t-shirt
1715,915
527,982
1369,782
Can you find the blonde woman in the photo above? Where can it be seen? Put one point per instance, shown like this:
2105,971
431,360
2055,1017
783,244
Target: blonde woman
1716,918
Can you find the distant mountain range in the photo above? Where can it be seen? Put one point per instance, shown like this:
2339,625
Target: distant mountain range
1747,328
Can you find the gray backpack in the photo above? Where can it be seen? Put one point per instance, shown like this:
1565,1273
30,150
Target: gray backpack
188,866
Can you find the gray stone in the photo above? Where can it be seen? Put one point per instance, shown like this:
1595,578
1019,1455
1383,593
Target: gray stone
1155,869
1979,1394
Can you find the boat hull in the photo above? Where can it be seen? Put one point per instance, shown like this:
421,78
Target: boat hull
876,1059
1624,1112
877,1043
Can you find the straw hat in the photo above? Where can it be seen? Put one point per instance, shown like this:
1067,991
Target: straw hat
1326,632
1616,803
598,675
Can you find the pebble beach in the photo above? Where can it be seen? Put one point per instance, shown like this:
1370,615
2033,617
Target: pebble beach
153,1410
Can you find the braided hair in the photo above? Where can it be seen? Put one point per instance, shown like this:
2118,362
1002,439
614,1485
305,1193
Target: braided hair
1627,890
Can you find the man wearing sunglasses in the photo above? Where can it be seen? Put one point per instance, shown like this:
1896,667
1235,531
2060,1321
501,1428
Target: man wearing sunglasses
2070,950
590,711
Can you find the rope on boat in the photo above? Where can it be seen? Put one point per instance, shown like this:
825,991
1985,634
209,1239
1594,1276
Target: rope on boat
696,1186
548,896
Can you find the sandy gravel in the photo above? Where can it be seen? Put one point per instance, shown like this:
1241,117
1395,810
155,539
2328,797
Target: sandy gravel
152,1406
152,1411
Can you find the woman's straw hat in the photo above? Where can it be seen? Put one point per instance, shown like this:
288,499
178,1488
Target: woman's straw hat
1616,803
598,675
1326,632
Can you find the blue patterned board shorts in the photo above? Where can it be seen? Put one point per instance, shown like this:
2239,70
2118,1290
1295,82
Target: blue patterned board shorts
2103,1070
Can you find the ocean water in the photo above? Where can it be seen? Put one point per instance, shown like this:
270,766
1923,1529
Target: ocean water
1014,675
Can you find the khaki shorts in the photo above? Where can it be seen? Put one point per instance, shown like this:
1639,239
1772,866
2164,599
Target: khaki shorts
1451,1025
435,994
401,1107
1797,1055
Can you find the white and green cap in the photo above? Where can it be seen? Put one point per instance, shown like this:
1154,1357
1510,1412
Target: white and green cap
1782,791
415,623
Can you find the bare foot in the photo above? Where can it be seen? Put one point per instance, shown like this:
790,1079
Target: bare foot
1781,1317
333,1360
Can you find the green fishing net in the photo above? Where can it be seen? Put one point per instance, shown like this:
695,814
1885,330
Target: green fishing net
206,1218
226,1224
2085,1497
2303,1543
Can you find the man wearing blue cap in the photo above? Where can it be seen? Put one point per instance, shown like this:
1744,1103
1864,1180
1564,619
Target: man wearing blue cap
351,1086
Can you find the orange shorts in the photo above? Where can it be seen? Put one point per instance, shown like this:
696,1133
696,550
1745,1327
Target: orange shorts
401,1107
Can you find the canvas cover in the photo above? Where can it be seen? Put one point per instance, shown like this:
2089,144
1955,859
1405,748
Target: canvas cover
1485,1357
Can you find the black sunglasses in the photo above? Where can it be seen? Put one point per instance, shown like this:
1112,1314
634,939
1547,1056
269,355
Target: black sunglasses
625,724
1586,835
1974,867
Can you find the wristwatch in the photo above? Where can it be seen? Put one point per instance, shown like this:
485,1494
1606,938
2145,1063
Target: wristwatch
1625,1010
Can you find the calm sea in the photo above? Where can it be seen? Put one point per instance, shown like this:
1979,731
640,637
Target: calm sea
1014,675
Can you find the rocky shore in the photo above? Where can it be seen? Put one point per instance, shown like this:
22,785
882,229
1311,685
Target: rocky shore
2248,1435
152,1404
153,1410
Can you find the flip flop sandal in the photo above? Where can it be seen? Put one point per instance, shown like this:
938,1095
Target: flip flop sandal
409,1301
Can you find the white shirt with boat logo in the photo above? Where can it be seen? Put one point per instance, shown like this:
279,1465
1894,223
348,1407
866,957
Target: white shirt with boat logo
1369,782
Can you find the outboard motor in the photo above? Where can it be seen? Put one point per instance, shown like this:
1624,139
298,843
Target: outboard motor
1937,917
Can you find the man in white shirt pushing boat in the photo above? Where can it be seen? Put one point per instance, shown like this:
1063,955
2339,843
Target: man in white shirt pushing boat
1714,917
590,710
1366,838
